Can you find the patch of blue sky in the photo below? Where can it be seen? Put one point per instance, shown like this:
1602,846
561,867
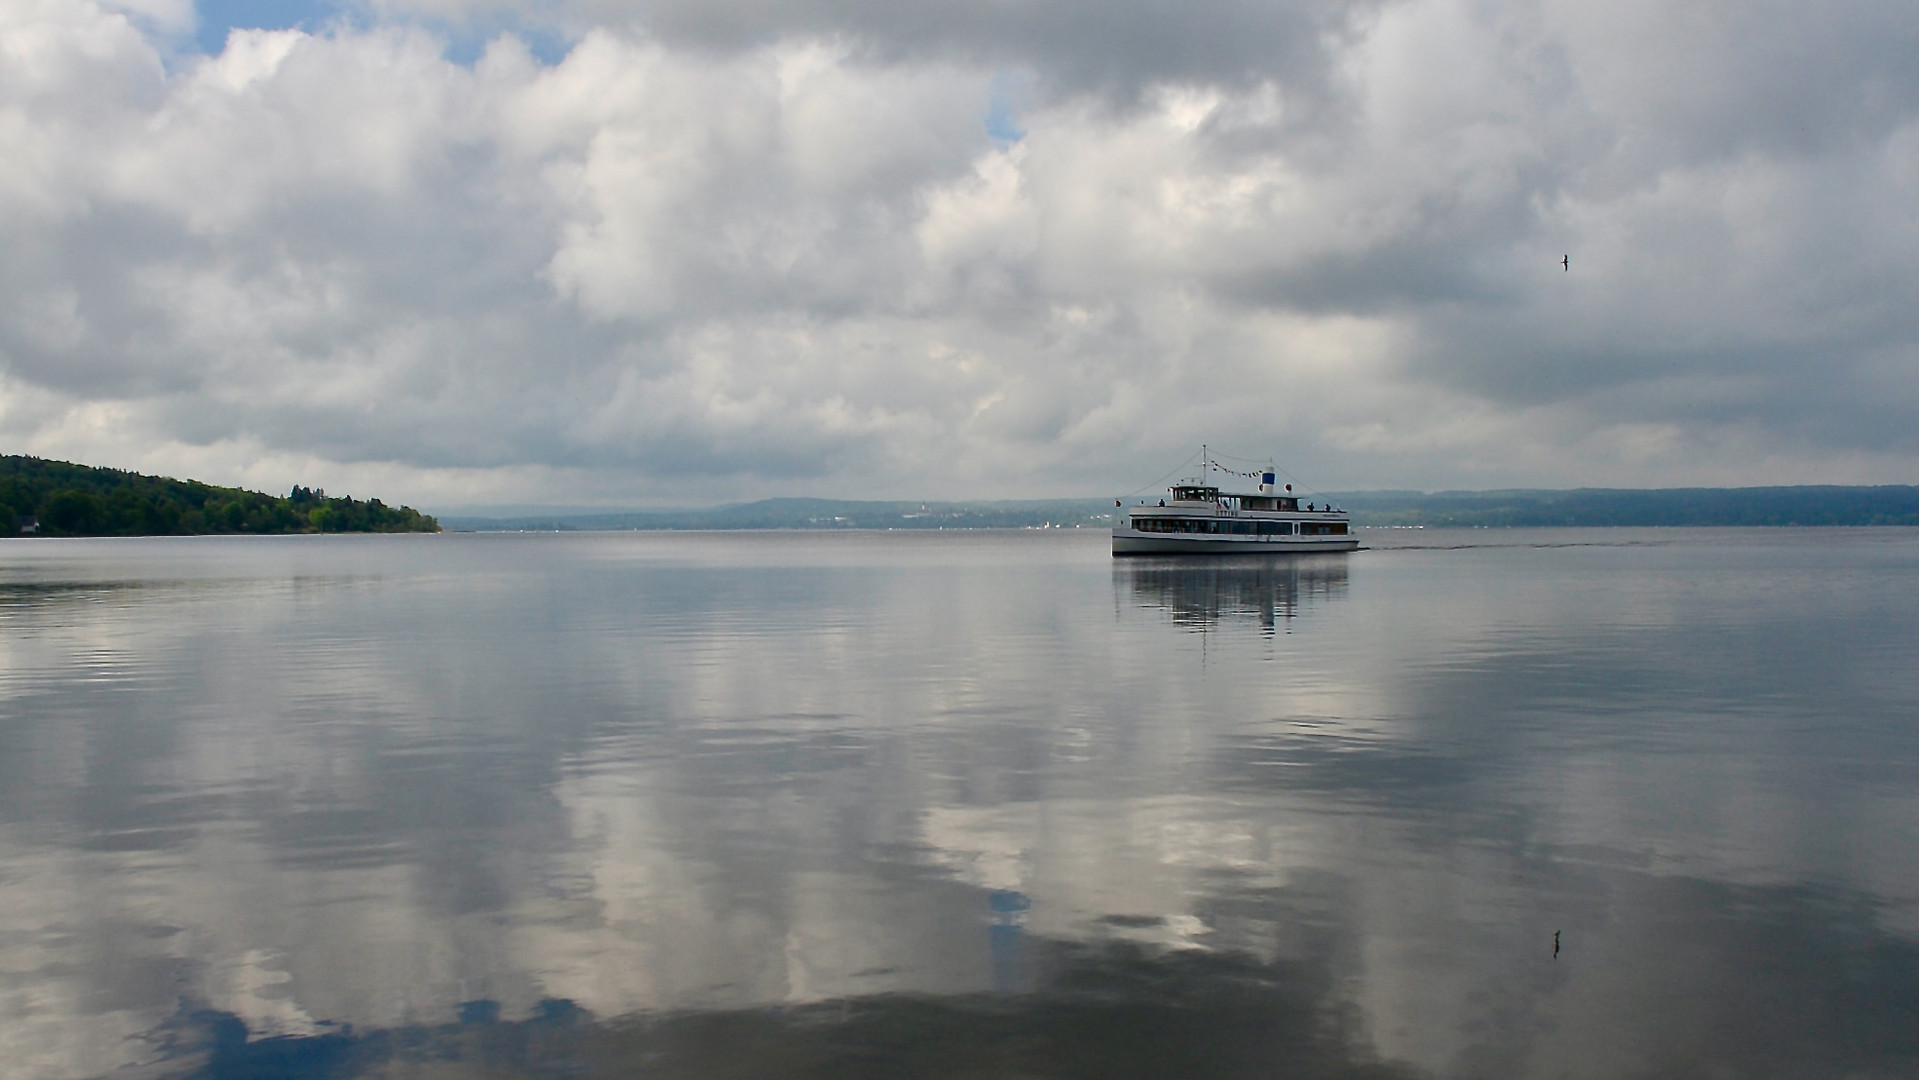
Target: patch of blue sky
219,17
465,40
1003,106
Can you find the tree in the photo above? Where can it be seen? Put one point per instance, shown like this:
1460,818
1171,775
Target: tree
73,512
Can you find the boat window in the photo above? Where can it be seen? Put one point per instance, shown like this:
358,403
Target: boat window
1195,494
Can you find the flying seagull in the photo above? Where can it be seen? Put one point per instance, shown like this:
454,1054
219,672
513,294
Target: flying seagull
1567,262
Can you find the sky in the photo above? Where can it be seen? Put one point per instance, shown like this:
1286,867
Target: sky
463,253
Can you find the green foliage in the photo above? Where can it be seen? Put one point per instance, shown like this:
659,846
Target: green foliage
55,498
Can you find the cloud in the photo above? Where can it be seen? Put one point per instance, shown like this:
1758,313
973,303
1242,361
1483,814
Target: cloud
715,251
1075,44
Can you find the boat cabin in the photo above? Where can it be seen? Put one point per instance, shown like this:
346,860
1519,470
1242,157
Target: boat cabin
1185,493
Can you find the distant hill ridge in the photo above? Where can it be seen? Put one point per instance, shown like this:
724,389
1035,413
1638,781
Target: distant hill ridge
59,498
1895,504
1890,504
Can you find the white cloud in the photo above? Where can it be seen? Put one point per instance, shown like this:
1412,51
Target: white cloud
794,256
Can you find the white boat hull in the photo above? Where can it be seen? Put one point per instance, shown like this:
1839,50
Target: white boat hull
1134,542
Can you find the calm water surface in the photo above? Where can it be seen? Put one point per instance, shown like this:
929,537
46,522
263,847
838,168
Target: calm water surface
1584,803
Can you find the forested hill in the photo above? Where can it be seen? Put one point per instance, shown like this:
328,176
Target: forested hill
1887,505
55,498
1896,504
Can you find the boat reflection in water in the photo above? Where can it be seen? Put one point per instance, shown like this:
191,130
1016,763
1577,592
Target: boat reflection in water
1199,593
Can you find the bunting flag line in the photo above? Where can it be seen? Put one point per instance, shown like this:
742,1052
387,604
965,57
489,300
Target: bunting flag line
1234,472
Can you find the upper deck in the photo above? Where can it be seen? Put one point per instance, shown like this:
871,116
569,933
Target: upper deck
1197,495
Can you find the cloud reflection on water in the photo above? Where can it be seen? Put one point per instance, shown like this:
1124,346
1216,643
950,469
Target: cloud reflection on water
675,783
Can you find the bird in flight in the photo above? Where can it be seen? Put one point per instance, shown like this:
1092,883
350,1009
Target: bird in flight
1567,262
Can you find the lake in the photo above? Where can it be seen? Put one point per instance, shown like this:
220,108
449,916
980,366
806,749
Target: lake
1499,803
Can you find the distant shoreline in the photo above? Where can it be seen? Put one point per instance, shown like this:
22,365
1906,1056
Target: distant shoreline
54,498
1883,505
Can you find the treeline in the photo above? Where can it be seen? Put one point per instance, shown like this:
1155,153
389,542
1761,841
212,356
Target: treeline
1777,506
800,513
1892,504
56,498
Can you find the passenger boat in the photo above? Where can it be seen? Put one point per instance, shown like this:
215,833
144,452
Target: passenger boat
1199,518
